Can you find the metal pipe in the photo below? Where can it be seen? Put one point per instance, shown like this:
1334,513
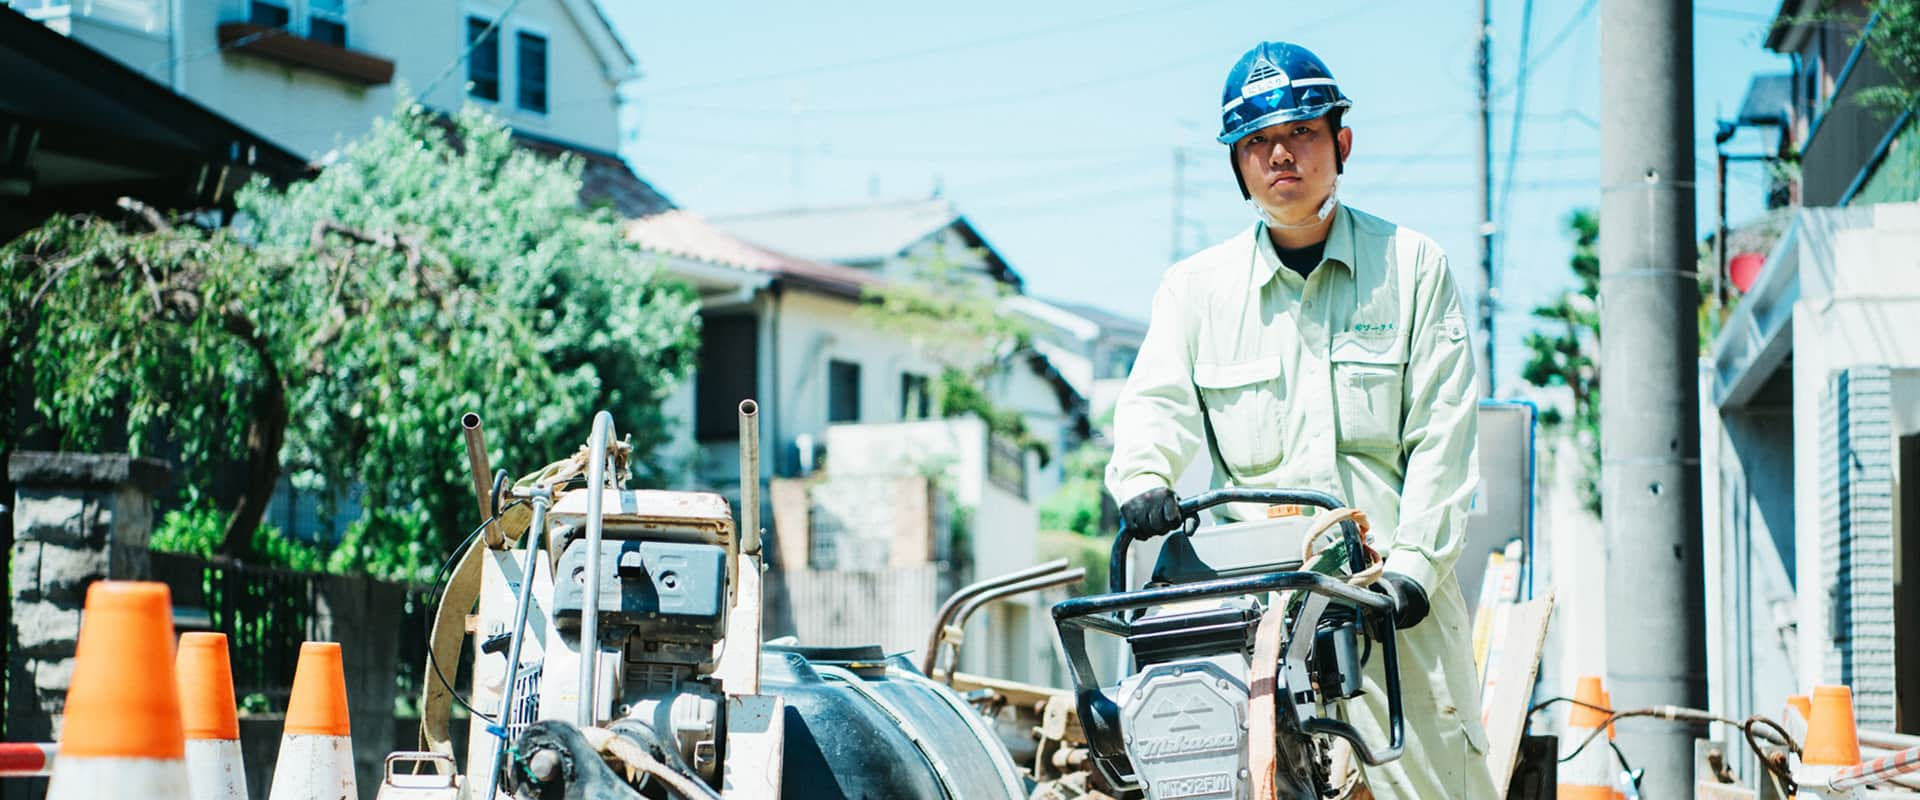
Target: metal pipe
477,464
542,496
749,534
1047,581
1887,740
590,596
967,592
1879,770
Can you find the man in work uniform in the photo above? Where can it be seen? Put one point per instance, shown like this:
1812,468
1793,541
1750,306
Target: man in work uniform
1324,348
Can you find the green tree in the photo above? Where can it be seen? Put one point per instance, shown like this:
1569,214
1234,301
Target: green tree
1893,39
342,325
1564,352
1079,502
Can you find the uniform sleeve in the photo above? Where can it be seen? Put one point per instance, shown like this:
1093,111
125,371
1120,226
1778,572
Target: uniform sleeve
1442,419
1158,425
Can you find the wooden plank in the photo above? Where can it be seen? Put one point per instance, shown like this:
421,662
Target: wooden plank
1509,686
792,528
739,667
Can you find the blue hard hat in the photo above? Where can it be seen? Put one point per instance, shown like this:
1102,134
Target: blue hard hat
1273,83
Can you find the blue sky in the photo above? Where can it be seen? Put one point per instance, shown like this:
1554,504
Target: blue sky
1055,126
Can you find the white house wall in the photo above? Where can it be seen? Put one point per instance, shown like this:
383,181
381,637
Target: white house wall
311,112
944,246
1860,297
803,331
1747,472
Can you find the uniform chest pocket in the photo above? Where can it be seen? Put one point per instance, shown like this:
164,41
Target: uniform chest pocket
1369,373
1243,402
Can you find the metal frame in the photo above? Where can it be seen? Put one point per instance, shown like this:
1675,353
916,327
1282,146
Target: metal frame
1107,614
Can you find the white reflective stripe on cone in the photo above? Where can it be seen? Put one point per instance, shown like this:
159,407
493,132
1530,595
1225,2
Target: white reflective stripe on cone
313,767
1590,774
214,770
100,777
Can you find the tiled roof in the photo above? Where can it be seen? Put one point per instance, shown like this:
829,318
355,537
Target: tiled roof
862,234
603,176
845,233
686,234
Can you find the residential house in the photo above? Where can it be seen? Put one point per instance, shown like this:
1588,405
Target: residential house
912,241
78,130
1093,348
1842,143
310,75
846,431
1811,415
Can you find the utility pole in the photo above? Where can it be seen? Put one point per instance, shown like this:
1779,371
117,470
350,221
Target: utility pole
1649,410
1485,68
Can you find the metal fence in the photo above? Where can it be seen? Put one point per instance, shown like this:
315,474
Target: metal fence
893,607
267,613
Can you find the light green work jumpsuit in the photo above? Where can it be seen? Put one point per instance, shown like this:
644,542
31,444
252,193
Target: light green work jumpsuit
1358,381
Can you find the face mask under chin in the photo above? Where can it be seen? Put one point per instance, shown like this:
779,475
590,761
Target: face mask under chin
1326,210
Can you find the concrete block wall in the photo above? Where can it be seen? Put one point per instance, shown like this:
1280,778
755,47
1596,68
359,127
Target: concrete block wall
77,518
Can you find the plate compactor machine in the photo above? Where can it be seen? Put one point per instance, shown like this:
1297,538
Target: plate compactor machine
617,654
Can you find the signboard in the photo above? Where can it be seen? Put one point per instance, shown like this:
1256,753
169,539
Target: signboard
1503,504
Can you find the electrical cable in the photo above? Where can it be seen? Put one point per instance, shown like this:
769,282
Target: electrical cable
1513,139
434,592
1779,736
1625,766
1073,26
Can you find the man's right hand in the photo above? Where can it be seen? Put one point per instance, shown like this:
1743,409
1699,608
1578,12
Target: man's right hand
1151,513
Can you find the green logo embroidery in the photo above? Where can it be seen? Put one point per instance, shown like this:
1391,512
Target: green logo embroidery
1373,328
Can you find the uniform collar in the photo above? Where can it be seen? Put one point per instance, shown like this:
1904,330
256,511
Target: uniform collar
1340,249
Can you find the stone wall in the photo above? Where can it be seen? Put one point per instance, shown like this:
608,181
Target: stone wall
77,518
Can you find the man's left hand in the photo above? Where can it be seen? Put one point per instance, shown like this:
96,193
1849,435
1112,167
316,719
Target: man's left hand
1409,599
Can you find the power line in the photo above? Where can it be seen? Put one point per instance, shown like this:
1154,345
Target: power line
968,105
1558,39
1513,137
905,55
1054,156
1728,13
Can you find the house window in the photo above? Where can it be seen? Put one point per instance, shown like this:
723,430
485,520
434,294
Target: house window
724,374
327,21
483,65
532,65
843,391
915,401
269,14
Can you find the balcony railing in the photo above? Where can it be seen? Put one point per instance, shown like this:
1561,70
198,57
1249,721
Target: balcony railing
1847,138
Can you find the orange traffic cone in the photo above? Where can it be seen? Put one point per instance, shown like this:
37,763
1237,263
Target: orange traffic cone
1606,699
316,748
1803,704
214,768
122,735
1588,775
1832,740
1794,716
